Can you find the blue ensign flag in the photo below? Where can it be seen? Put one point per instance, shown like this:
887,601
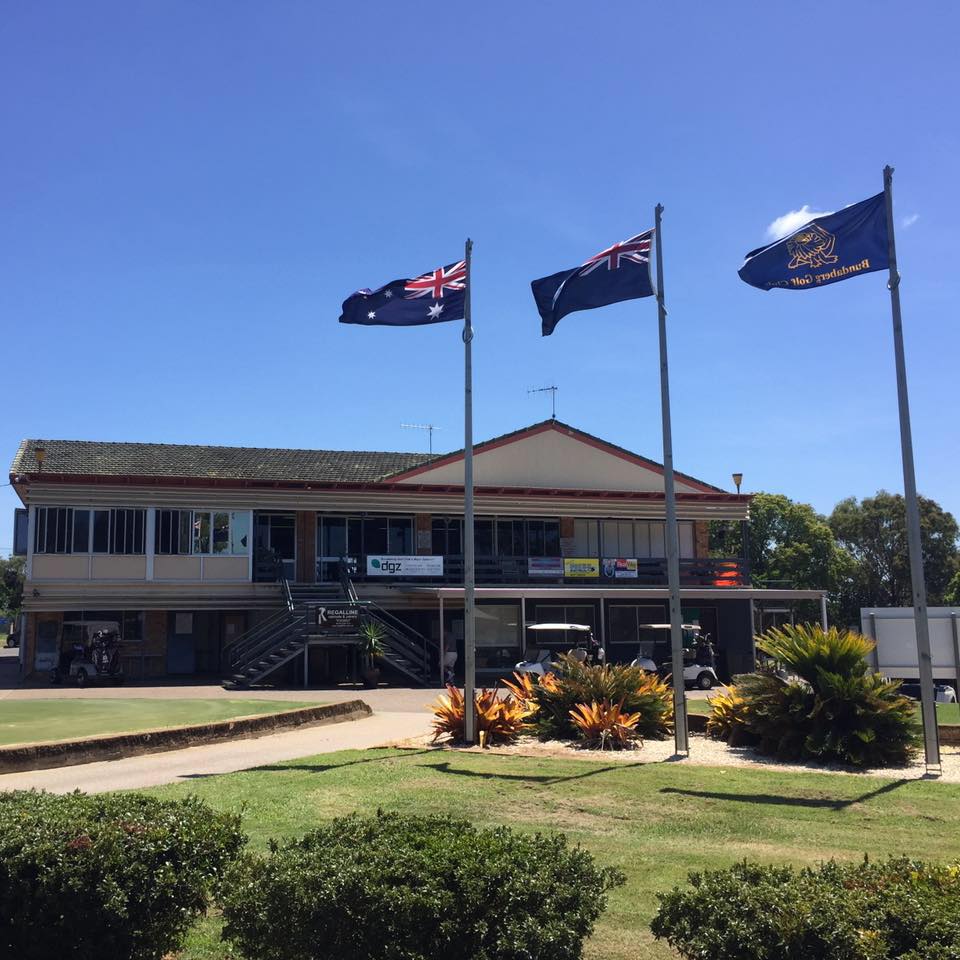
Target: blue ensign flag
621,272
431,298
825,250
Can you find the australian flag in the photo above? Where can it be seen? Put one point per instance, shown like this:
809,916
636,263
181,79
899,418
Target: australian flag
827,249
431,298
621,272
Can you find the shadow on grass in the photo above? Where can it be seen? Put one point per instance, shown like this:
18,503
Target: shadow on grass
546,778
779,800
304,767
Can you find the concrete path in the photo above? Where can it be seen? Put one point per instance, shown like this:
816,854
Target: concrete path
382,729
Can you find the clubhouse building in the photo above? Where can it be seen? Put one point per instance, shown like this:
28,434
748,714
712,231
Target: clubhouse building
259,564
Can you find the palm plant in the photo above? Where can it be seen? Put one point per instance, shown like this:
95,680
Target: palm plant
836,709
372,636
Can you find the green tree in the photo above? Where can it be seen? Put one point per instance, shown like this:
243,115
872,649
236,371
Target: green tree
11,584
789,542
874,531
952,594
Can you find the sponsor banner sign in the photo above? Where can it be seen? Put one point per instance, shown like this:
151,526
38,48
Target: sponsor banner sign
338,617
404,566
616,568
581,567
545,566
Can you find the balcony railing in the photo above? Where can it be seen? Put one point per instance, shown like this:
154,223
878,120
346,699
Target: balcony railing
696,572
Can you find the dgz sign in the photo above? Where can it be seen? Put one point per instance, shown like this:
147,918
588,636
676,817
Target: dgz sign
338,618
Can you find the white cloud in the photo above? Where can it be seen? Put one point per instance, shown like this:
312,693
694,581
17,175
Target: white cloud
909,221
789,222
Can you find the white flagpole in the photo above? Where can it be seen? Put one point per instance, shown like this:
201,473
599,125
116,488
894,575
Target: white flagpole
672,537
931,734
469,642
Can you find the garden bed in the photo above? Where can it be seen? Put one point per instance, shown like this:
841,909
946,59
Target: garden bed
704,751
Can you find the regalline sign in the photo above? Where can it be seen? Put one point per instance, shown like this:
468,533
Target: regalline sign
404,566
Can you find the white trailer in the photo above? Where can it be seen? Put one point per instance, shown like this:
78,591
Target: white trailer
893,631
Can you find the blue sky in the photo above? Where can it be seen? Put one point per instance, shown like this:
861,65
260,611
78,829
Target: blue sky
189,191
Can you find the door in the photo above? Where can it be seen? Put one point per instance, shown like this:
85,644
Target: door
181,652
275,535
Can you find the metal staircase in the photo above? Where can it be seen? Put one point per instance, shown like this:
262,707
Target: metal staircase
254,656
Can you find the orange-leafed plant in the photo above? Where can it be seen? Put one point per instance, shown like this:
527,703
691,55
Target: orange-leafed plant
498,720
525,689
604,725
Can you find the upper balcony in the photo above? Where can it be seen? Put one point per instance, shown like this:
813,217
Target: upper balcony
544,571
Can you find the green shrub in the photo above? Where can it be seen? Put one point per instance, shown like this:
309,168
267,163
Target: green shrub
896,910
635,690
835,709
117,877
415,888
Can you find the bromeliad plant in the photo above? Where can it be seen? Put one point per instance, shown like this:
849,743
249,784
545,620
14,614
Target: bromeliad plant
728,715
833,709
575,683
499,720
605,726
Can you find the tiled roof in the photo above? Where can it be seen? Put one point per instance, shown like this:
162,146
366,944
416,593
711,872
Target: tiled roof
86,458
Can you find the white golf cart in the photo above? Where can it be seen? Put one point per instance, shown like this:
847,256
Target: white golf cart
90,653
555,637
699,663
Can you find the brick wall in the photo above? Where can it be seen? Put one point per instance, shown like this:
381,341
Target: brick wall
701,538
423,534
306,532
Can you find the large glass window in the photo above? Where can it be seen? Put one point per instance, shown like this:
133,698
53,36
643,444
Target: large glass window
400,536
67,530
182,532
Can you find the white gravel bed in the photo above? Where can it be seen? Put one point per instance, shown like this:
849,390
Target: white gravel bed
706,752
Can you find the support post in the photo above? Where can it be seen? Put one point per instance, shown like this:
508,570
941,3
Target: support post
823,612
469,640
672,536
443,648
931,736
956,650
306,664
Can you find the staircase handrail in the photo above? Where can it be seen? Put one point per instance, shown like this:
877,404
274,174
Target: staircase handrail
261,638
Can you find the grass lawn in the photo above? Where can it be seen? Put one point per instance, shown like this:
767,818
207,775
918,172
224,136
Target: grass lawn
655,822
948,714
36,721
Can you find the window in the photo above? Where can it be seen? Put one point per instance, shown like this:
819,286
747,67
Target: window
182,532
54,530
20,527
67,530
101,531
400,536
510,539
447,537
127,531
685,528
586,536
483,537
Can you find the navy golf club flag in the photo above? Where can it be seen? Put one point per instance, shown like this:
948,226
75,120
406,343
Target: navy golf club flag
825,250
431,298
621,272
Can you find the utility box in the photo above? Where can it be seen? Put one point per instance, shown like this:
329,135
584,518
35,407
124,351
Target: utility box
894,632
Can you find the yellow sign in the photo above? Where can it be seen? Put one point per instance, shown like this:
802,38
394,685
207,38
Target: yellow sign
581,567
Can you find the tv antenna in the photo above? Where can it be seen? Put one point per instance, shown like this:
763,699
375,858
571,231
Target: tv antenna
553,398
429,427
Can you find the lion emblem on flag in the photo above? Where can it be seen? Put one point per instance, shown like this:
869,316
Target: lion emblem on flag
811,247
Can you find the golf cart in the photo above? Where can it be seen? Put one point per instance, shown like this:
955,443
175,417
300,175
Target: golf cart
93,658
554,637
699,662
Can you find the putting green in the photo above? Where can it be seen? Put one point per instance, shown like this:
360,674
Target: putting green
40,721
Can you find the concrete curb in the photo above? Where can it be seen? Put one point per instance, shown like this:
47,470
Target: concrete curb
67,753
